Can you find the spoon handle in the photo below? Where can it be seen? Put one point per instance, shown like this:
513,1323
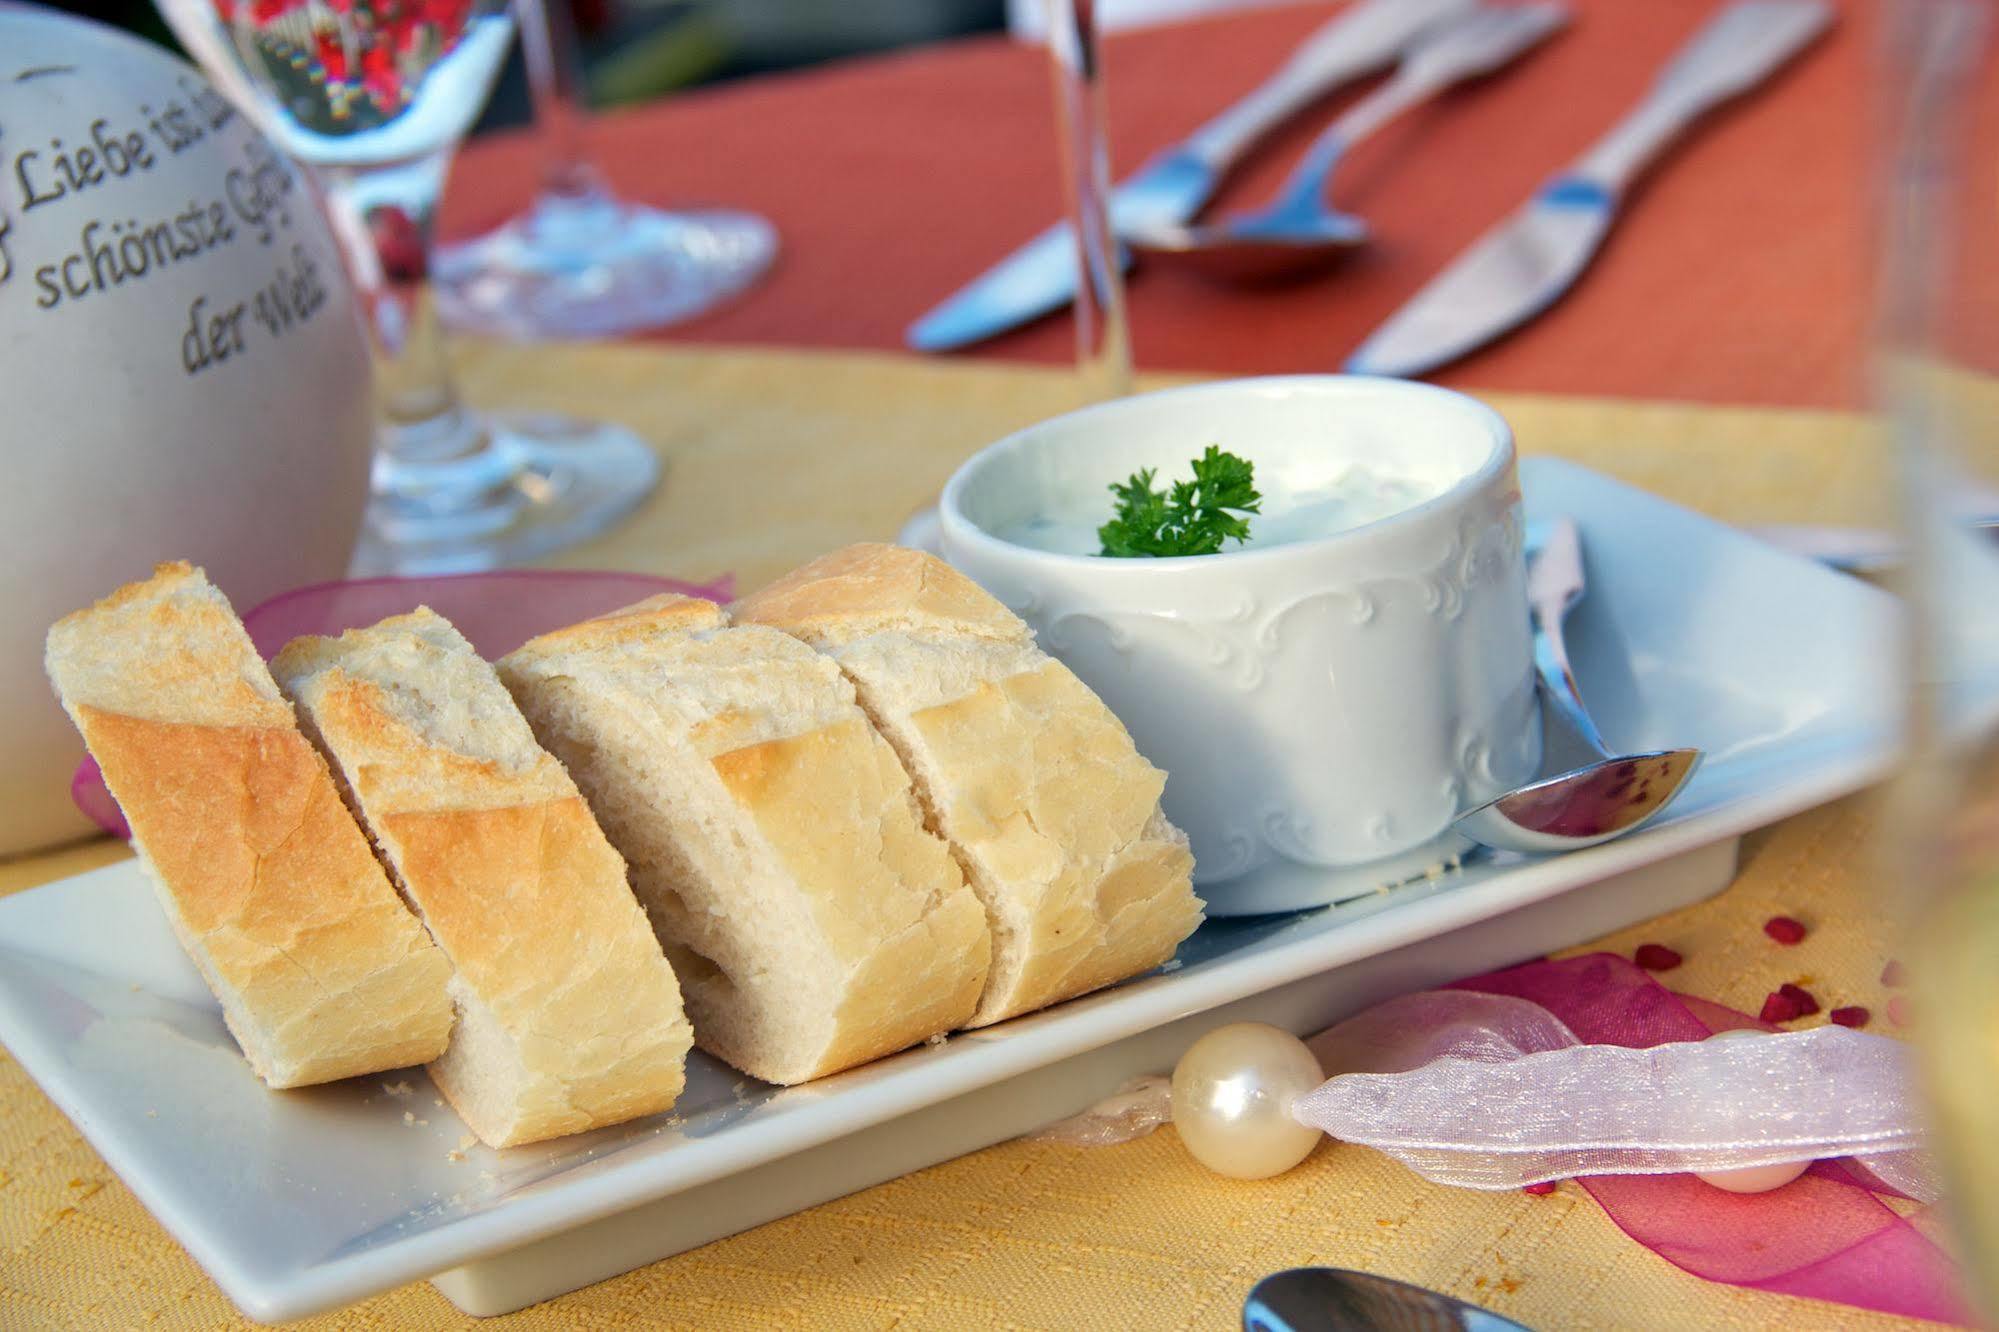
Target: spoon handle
1364,38
1554,584
1454,51
1470,46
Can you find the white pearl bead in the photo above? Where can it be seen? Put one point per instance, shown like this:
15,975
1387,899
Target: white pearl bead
1232,1095
1754,1179
1751,1179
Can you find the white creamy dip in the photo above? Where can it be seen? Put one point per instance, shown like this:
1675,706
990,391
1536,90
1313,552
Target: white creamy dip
1357,494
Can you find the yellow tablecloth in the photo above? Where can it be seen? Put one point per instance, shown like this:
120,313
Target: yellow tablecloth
774,457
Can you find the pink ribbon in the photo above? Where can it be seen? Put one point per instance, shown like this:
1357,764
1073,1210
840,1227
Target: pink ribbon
1828,1235
497,611
1492,1091
1490,1082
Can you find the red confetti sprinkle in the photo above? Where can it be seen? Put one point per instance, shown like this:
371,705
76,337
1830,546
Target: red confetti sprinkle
1542,1189
1894,975
1898,1010
1776,1008
1787,1003
1853,1015
1784,930
1656,957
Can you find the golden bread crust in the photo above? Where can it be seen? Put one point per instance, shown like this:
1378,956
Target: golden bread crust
520,897
571,1017
889,903
1040,784
775,840
633,625
1051,809
869,588
867,879
275,889
404,771
168,648
321,970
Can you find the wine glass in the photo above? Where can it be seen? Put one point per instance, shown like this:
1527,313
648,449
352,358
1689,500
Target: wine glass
373,96
1937,377
581,262
1103,346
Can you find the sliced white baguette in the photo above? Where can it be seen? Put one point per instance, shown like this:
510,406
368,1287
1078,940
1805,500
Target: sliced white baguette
321,970
772,834
569,1017
1052,812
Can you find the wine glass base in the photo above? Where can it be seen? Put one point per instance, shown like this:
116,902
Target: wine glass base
596,266
565,480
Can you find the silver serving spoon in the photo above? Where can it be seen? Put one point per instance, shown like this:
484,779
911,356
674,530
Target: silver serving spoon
1333,1299
1299,229
1612,796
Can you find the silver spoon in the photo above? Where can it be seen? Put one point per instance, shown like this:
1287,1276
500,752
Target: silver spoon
1333,1299
1618,793
1299,229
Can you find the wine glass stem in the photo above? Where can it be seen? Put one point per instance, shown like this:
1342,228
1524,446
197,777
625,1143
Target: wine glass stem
1103,349
433,458
555,83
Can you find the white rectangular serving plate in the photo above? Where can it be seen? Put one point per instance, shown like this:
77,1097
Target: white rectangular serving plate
296,1202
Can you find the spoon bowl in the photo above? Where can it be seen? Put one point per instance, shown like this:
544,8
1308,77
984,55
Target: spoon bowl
1608,797
1334,1299
1584,806
1299,231
1255,247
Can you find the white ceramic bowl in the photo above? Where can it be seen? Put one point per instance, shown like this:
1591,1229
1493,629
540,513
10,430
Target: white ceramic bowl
183,372
1323,708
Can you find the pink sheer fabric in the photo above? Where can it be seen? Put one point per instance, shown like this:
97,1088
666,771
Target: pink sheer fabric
1828,1235
1589,1068
496,611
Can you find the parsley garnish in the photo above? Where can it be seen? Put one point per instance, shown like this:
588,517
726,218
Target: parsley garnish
1195,518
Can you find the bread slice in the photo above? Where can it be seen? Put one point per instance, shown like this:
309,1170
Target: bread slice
773,837
321,970
569,1017
1050,809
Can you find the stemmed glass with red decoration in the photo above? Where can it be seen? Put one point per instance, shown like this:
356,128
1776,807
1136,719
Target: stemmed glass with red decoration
373,97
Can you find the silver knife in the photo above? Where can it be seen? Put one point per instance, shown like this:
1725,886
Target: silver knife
1041,275
1861,549
1520,267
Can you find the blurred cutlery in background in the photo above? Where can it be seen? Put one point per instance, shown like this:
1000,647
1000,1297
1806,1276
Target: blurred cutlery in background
1858,550
1524,264
1299,229
1041,276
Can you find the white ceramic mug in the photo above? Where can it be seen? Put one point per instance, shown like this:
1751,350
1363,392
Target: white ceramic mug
1323,708
183,371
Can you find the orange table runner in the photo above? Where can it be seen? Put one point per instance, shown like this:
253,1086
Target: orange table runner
1741,273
